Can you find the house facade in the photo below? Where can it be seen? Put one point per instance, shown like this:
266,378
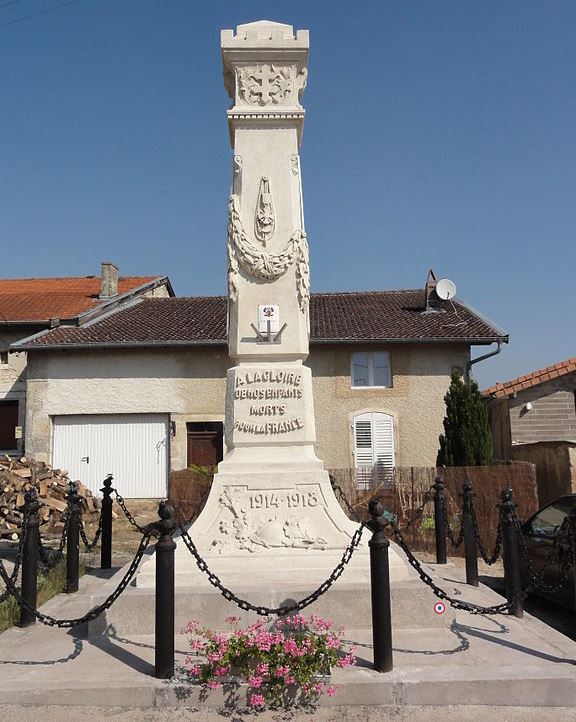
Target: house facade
141,392
29,306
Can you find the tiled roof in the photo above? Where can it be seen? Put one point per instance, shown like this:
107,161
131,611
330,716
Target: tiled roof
41,299
362,316
500,391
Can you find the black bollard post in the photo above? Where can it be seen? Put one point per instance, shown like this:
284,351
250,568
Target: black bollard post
439,520
73,540
470,551
29,587
512,575
106,512
165,546
380,589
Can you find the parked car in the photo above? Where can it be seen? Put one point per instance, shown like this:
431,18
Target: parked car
539,534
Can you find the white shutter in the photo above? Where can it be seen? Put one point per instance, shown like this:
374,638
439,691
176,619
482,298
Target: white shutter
383,447
373,448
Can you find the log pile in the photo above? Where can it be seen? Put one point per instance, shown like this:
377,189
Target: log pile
17,476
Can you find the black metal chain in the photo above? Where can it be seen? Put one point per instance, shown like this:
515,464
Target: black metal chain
449,533
95,611
283,610
438,591
90,544
488,558
50,557
562,552
19,555
127,514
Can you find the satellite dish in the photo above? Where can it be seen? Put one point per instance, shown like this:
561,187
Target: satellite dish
445,289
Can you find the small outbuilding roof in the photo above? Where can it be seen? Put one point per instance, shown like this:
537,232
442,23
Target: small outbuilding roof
353,317
502,390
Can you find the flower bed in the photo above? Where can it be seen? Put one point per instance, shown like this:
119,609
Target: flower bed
283,662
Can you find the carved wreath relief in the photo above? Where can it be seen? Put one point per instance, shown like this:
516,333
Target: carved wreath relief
264,222
256,520
259,263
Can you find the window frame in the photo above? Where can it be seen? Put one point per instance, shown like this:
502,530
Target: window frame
371,384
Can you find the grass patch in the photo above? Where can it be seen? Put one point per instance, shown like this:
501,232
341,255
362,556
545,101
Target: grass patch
50,583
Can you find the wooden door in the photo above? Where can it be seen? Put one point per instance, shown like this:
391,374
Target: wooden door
8,424
205,444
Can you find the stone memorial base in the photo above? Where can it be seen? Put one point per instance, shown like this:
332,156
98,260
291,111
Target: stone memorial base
272,532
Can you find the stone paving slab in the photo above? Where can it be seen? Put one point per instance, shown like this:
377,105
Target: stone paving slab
496,660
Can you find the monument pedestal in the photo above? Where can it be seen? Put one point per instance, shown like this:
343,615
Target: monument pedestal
273,532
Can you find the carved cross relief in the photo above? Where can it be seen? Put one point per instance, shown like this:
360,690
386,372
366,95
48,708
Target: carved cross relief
265,84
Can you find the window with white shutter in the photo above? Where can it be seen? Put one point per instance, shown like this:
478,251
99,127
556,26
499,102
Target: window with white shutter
373,449
370,368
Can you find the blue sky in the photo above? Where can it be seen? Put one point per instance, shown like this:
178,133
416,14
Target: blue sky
438,133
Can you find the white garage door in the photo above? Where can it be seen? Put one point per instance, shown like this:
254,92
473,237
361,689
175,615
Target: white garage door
132,447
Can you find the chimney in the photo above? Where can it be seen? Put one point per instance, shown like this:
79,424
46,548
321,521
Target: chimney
108,280
431,300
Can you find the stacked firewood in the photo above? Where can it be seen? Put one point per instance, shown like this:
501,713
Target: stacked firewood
17,476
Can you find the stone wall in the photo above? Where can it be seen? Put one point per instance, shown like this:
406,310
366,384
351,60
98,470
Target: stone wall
555,466
189,384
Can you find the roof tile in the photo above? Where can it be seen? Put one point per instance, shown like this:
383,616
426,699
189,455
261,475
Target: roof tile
41,299
502,390
354,317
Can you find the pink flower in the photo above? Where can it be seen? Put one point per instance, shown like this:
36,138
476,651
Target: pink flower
256,701
213,684
318,687
255,681
282,671
214,656
289,679
346,661
232,619
331,691
221,671
195,670
333,643
262,668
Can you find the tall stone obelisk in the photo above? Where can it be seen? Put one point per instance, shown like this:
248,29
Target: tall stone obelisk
271,515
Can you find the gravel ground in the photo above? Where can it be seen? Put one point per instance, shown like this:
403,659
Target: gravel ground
322,714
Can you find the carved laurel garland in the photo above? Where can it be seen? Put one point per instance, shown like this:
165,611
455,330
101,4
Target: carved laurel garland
260,264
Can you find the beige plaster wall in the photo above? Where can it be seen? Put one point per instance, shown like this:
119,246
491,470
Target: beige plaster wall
189,384
420,379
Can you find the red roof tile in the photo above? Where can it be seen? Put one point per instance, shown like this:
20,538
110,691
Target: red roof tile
41,299
502,390
335,317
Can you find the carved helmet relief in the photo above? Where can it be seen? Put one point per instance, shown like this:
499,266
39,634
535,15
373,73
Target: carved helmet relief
264,220
265,84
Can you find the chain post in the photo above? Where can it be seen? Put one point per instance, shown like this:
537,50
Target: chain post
30,559
512,574
164,623
73,540
470,551
380,589
106,516
440,520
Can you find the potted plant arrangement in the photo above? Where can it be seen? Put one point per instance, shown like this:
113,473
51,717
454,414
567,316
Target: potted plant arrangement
287,661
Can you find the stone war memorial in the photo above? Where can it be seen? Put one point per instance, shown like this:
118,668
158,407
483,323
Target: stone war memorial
271,519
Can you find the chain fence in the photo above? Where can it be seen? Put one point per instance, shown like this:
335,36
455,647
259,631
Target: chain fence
92,613
90,545
49,557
